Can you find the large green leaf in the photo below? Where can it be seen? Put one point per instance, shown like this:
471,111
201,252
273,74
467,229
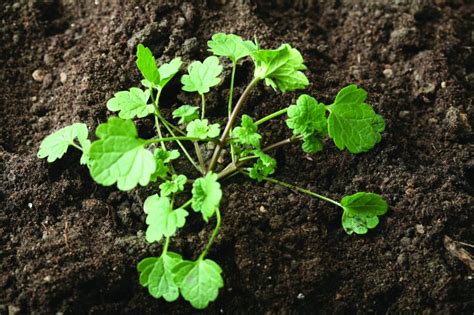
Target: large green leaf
199,281
202,75
231,46
131,104
119,156
207,195
353,124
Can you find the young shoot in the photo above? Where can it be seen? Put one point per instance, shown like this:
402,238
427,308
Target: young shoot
119,156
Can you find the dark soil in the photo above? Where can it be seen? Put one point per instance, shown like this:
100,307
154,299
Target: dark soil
70,246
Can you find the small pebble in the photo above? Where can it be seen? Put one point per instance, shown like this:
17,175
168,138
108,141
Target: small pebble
402,259
300,296
63,77
38,75
47,278
443,84
30,205
403,114
388,73
420,229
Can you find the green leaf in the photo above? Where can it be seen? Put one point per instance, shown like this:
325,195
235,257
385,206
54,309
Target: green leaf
162,220
231,46
199,281
307,116
156,273
169,70
166,155
174,185
353,124
312,143
55,145
281,68
361,211
202,76
119,156
131,104
264,166
247,132
147,64
200,128
186,114
207,195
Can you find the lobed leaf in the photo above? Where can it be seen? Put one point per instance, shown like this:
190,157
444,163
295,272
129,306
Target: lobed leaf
361,211
199,281
281,68
202,75
162,220
131,104
353,124
156,273
207,195
247,133
174,185
186,114
264,166
230,46
119,156
55,145
200,128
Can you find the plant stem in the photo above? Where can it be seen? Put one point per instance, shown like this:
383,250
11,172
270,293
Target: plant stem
229,105
170,125
187,203
271,116
197,149
165,247
174,138
203,106
282,142
213,236
155,103
186,153
230,123
76,146
231,90
300,189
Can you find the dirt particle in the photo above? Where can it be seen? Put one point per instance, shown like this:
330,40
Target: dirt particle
405,37
49,60
63,77
47,80
13,310
403,114
420,229
300,296
388,73
39,74
402,259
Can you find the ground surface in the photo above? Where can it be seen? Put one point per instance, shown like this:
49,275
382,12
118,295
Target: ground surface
68,245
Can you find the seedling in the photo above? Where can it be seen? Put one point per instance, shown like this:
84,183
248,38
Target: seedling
119,156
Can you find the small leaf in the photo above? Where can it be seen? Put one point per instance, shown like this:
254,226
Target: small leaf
361,211
166,155
56,144
200,128
312,144
264,166
119,156
247,133
307,116
156,273
202,76
168,71
186,114
353,124
131,104
147,64
207,195
199,281
231,46
174,185
281,68
162,220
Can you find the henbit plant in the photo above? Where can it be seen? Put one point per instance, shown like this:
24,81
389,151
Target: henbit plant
119,156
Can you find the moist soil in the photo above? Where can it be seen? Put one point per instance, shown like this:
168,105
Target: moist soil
70,246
